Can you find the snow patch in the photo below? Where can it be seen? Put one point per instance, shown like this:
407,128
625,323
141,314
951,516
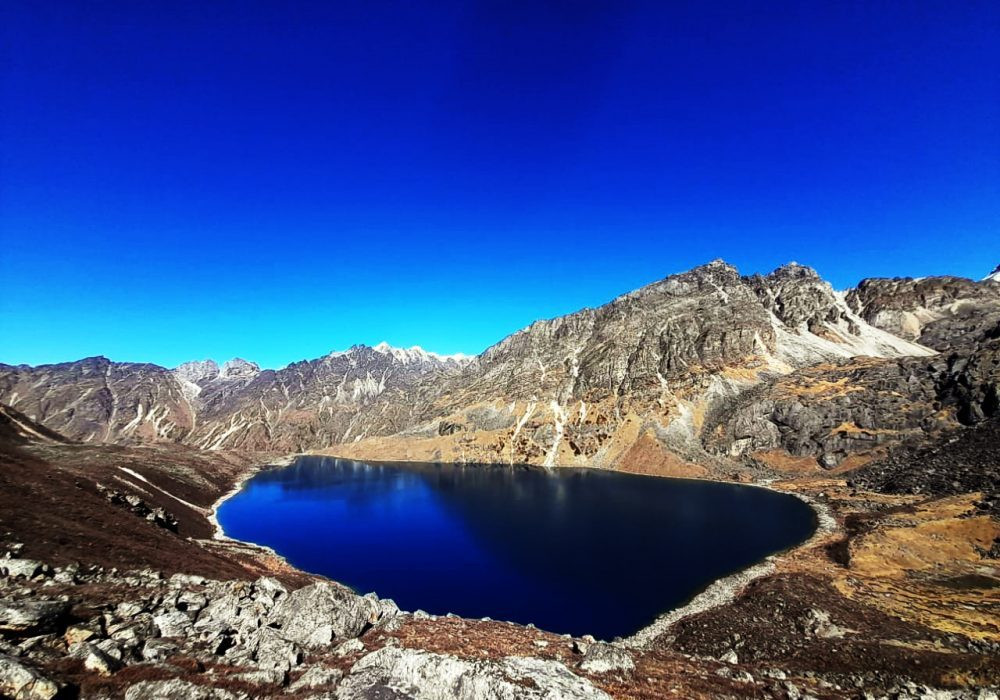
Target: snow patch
560,416
136,475
520,424
417,354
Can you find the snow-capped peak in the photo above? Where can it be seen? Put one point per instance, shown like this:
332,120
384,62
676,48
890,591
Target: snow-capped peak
199,373
993,276
418,354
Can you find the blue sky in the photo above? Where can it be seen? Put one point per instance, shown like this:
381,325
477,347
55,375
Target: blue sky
181,180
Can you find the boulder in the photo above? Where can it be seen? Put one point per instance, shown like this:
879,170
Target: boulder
176,689
315,677
272,651
173,624
318,614
414,674
22,682
157,649
602,658
96,659
260,676
270,587
351,646
25,568
19,617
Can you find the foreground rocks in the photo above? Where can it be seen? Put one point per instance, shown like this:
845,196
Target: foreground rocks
140,635
420,675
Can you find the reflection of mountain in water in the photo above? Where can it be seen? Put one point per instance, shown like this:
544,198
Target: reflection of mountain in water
572,550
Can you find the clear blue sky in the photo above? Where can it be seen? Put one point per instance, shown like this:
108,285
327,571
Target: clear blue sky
276,180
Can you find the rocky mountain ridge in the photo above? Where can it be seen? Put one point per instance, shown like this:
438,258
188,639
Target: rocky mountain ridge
630,382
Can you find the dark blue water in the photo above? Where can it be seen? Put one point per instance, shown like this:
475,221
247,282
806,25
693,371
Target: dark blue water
574,550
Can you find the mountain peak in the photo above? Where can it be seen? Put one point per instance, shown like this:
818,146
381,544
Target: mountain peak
794,269
418,354
197,370
715,266
238,368
993,276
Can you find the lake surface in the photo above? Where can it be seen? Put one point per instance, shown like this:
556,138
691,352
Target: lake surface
582,551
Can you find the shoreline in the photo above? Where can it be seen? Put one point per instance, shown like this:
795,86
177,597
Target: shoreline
726,589
715,594
218,534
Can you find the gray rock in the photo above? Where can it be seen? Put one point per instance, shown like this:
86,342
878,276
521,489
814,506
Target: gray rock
232,610
176,689
128,609
23,568
97,659
412,674
261,676
316,676
23,682
67,574
602,658
351,646
316,615
31,616
183,580
133,632
817,622
269,587
191,602
272,651
173,624
110,647
157,649
730,657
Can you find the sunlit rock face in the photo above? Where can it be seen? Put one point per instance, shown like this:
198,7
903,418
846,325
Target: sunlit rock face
639,382
939,312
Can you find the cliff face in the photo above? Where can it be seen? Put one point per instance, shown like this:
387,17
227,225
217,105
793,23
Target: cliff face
677,377
939,312
849,412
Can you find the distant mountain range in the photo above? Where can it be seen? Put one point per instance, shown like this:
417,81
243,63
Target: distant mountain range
702,373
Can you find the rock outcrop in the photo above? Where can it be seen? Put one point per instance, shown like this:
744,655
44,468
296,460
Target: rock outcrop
258,638
855,410
939,312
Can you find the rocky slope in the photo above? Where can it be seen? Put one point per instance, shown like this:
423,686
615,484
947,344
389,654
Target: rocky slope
849,412
629,384
96,400
938,312
638,383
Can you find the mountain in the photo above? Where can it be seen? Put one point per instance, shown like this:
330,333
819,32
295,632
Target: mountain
630,383
678,377
96,400
938,312
318,402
